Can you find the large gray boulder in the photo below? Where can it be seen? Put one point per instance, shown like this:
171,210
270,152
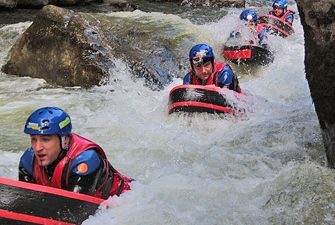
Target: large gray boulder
78,49
58,47
318,20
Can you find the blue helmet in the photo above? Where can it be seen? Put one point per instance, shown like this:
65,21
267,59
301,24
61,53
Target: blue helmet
248,15
47,121
279,4
201,53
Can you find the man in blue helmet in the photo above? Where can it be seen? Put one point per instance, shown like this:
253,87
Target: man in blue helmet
62,159
258,32
279,9
249,17
204,71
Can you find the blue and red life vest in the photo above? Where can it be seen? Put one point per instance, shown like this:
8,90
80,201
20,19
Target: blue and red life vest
116,183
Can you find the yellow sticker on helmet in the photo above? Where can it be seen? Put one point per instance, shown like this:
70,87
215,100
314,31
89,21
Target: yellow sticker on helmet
64,122
33,126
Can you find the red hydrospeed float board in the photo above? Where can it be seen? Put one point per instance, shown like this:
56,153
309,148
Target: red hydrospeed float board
26,203
197,98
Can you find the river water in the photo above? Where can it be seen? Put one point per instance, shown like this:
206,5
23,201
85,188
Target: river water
267,169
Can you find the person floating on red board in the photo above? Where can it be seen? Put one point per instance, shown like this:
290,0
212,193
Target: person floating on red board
205,71
62,159
279,9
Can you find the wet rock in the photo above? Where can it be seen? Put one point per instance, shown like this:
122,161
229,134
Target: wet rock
31,3
70,2
318,20
41,3
60,48
121,5
78,49
214,3
8,4
302,195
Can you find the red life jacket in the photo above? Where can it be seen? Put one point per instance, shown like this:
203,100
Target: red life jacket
212,79
60,177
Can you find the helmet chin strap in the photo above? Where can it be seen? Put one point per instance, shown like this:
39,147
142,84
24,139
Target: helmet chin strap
63,145
63,148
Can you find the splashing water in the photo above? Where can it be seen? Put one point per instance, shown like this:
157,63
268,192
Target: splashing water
198,169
